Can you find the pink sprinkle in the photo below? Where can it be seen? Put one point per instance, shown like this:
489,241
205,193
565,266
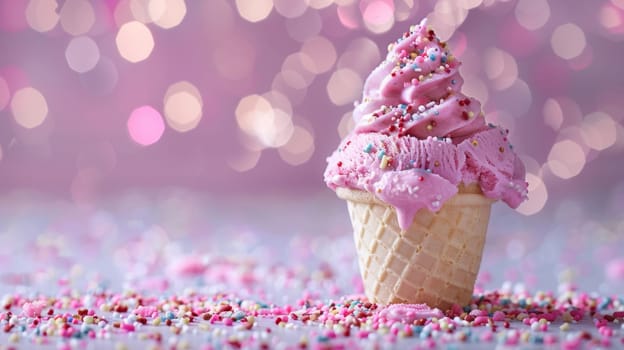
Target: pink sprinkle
498,316
480,320
408,313
33,309
228,321
146,311
572,344
487,336
618,314
550,339
363,334
477,312
127,327
188,266
605,331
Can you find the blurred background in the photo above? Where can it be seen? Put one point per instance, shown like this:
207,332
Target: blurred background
246,99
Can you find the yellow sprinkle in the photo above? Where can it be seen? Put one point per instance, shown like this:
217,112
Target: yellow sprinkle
14,338
429,127
88,319
436,163
413,55
421,77
156,321
564,327
471,114
475,143
384,162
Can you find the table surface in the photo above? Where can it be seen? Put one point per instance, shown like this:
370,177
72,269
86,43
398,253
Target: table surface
176,269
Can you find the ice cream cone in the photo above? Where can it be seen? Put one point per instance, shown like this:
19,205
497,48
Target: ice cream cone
435,261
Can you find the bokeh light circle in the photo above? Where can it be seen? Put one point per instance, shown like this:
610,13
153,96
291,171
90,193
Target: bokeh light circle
566,159
538,195
134,41
145,125
183,106
269,126
77,17
290,8
82,54
321,52
5,93
378,15
599,131
532,14
500,67
29,107
102,79
344,87
42,15
299,149
167,13
553,114
254,10
568,41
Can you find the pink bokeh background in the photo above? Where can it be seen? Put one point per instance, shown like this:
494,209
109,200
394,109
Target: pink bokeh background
249,96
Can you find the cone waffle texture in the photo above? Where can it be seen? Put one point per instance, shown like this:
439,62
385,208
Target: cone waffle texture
435,261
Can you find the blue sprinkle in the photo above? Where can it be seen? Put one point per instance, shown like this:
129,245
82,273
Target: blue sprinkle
380,154
415,66
453,82
417,329
322,338
436,112
402,65
70,319
604,303
538,339
238,315
467,309
403,106
432,57
368,148
443,59
170,315
522,303
428,171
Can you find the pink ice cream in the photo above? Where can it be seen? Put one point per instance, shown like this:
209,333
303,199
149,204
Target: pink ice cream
418,137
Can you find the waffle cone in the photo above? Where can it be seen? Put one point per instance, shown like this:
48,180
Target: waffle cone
435,261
